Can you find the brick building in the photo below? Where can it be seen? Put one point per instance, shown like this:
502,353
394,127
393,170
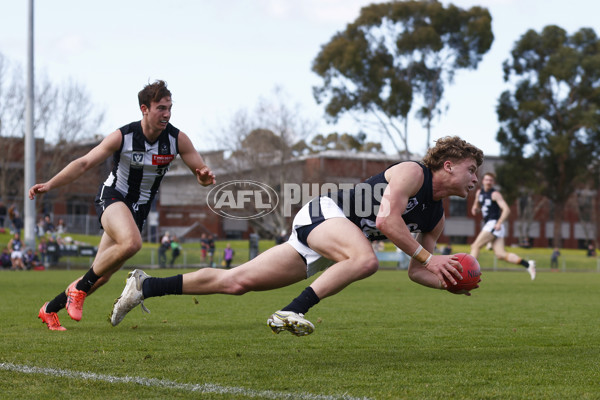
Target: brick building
179,208
182,207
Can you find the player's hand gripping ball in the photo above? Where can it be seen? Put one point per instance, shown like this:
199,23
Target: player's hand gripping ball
471,274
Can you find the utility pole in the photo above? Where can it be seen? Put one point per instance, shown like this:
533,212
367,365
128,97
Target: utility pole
29,205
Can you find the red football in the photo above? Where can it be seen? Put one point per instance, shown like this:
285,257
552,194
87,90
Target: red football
471,273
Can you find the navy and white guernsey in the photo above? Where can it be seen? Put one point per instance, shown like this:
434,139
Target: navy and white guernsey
422,213
16,245
489,208
139,166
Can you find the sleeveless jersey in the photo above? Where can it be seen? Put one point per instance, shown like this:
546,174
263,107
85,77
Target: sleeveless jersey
361,205
16,245
489,208
139,166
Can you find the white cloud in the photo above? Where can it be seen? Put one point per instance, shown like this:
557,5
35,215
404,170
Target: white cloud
320,11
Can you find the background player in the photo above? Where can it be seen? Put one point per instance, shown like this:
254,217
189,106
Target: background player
495,211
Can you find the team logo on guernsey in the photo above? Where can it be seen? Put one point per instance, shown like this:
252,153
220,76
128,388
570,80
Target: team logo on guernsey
242,199
412,203
137,159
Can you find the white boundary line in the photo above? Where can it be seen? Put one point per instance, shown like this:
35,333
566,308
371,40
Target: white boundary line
153,382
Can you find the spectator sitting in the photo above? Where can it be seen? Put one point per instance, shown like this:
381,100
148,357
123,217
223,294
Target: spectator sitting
61,227
48,225
5,261
31,260
43,252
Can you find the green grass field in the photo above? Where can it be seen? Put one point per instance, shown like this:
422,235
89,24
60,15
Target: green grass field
381,338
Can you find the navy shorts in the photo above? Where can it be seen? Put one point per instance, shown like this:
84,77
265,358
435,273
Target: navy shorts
108,195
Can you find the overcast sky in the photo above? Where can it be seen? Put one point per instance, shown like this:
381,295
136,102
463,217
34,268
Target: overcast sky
220,56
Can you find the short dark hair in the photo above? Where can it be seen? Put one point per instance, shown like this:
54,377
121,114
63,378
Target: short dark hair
153,92
451,148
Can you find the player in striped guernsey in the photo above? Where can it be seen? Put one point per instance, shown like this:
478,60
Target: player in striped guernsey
142,152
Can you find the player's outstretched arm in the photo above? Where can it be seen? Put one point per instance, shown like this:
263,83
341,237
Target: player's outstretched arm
78,167
194,161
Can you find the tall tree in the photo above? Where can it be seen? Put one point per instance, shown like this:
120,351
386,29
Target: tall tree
345,142
395,52
63,116
550,122
261,145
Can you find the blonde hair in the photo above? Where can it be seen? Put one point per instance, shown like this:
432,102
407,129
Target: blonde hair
451,148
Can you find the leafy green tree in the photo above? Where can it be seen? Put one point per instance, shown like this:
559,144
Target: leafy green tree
395,52
549,133
345,141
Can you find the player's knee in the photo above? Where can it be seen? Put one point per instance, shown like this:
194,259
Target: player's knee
368,265
131,247
237,287
233,284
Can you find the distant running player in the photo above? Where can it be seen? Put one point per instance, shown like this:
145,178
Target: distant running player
495,211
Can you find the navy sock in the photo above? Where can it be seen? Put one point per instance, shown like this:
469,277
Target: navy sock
153,287
302,303
57,304
87,281
524,263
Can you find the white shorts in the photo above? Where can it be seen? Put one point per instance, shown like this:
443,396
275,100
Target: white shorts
489,227
328,209
16,254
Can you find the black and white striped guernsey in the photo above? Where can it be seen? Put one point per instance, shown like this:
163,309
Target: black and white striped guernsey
139,166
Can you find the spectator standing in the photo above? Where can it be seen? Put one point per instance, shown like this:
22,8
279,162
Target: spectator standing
228,254
165,245
3,214
40,228
204,247
591,250
210,241
175,250
554,258
16,223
